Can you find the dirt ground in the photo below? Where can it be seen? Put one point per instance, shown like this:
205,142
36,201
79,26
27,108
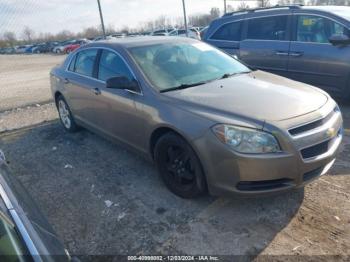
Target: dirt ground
105,200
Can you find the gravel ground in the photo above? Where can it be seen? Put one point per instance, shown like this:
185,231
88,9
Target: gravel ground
27,116
25,79
103,199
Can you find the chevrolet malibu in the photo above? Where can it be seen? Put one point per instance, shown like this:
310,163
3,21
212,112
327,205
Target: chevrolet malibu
208,122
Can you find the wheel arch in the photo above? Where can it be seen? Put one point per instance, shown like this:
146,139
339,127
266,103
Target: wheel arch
158,133
161,131
57,95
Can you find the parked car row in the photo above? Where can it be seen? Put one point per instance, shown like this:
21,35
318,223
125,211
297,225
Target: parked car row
66,47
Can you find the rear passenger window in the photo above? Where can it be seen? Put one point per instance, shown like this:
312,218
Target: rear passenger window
72,64
229,32
111,65
85,61
268,28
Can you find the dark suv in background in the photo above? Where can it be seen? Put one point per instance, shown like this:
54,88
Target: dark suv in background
310,44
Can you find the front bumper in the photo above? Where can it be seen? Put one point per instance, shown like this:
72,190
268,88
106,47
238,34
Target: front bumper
229,172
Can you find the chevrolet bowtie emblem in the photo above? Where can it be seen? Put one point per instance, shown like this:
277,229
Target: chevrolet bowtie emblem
331,132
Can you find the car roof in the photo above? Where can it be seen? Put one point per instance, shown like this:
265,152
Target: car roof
342,11
139,41
339,11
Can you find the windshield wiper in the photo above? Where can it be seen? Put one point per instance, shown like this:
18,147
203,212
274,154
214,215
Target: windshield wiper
228,75
183,86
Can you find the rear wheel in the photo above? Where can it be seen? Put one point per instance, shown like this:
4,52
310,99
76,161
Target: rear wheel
179,166
66,116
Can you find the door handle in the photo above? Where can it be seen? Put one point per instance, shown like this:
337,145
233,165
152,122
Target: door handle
96,91
282,53
296,54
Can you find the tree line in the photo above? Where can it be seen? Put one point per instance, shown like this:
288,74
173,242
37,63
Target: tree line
29,36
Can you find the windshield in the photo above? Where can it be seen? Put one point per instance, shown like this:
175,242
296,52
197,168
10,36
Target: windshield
183,64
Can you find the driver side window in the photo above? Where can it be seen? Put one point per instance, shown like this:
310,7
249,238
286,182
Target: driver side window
315,29
111,65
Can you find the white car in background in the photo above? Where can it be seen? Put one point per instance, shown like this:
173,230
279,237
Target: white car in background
60,48
102,38
192,33
162,32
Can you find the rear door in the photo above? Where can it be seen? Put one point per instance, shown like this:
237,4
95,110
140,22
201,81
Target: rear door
227,37
313,59
266,43
80,85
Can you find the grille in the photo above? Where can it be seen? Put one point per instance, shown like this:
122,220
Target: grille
315,150
320,148
312,125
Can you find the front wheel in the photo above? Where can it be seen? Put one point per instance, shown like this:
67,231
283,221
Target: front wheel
66,116
179,166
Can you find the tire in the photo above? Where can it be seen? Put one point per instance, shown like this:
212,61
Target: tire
66,117
179,166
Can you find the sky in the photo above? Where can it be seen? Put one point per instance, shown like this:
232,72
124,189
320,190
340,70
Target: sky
74,15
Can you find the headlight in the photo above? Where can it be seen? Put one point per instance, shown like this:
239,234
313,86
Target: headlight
245,140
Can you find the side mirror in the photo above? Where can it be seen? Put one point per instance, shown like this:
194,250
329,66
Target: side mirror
122,82
339,40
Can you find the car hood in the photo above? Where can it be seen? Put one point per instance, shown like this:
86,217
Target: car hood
256,95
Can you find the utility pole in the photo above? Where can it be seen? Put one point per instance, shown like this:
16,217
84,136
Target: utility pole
101,17
225,7
185,17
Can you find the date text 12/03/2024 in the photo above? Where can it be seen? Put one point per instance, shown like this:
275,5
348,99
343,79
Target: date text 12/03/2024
173,258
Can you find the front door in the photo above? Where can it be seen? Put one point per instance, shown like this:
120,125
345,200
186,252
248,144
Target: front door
313,59
120,117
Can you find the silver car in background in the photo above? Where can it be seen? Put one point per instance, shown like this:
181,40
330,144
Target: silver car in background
205,119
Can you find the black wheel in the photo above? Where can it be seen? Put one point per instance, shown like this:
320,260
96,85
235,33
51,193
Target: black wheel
66,116
179,166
